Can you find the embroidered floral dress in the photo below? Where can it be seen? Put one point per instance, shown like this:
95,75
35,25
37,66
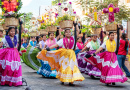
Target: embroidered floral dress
107,63
10,64
63,60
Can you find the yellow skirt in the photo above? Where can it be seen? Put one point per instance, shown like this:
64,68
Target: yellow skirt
65,62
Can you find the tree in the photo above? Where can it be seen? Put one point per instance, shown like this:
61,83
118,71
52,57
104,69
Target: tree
55,2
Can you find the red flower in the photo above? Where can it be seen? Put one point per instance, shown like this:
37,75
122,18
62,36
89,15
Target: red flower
65,9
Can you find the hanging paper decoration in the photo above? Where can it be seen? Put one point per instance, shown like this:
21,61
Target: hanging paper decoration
95,16
111,10
10,5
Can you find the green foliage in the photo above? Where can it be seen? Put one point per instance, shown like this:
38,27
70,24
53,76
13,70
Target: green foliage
43,26
54,2
86,29
96,26
65,17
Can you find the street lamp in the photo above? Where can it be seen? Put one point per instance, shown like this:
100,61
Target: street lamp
24,19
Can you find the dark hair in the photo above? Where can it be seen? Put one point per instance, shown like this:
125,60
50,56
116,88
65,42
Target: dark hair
32,36
42,35
66,29
10,29
104,32
1,31
110,33
124,38
49,33
37,38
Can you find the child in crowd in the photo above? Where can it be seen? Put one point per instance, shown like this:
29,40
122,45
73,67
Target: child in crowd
33,42
10,69
25,44
79,45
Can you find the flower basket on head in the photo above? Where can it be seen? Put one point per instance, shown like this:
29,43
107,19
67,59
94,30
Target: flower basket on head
111,27
80,35
66,24
51,28
5,27
10,10
43,31
11,21
33,33
1,27
96,30
65,21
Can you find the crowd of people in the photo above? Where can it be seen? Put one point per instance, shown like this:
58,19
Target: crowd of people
65,58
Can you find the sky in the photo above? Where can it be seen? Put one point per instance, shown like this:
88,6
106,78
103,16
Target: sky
33,6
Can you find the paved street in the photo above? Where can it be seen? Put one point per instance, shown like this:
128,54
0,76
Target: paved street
36,82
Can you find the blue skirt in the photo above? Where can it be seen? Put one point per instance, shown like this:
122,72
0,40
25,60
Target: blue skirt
45,69
77,51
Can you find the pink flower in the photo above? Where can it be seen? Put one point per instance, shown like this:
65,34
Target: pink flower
59,4
74,12
70,2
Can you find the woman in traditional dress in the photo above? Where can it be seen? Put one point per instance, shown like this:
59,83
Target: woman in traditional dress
64,59
107,62
10,64
84,66
46,69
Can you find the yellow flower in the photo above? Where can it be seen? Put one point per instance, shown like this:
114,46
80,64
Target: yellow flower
95,16
110,9
16,7
17,0
2,3
86,14
4,8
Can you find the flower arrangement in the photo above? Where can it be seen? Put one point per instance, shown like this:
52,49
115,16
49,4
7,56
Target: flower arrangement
10,8
65,17
96,26
66,21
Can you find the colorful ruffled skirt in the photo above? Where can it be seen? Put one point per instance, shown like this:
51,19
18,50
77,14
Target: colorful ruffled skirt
30,59
77,51
10,67
107,63
86,67
65,63
45,69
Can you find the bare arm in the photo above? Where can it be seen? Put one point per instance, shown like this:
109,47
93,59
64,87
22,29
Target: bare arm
41,46
100,49
84,49
77,28
1,44
53,46
45,46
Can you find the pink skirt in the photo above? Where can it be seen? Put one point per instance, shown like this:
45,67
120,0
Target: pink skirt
107,63
10,67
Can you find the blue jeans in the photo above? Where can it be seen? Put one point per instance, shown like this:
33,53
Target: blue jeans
121,61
